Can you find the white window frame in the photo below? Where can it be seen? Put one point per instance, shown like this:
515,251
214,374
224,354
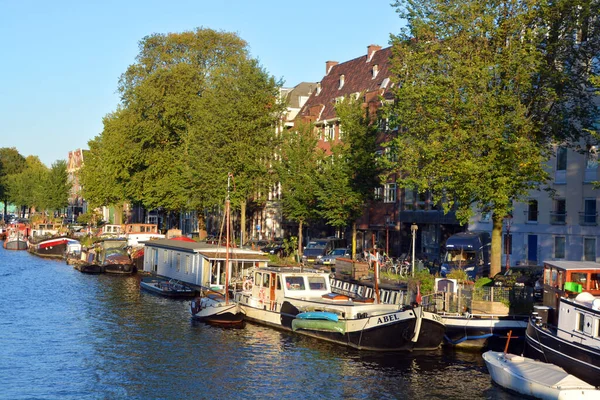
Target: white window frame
390,192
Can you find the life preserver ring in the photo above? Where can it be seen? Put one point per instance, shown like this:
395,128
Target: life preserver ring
247,286
196,306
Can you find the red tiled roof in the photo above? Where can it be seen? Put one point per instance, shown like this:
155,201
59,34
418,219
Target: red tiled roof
358,77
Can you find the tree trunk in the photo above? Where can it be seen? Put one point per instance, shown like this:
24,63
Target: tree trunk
242,222
118,214
496,251
300,226
354,240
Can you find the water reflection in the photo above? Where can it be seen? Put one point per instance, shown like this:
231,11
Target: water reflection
68,335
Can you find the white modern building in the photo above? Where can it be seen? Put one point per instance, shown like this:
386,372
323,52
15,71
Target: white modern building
559,224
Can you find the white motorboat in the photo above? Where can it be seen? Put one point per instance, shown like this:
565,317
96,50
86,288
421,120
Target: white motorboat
535,378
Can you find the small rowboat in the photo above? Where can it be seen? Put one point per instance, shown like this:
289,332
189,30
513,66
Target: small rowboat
535,378
167,287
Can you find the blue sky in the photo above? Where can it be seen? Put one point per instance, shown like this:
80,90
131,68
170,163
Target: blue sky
61,60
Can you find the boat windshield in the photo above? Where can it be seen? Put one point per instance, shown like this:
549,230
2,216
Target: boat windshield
317,283
294,282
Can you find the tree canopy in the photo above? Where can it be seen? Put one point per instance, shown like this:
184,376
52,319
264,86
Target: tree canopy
484,91
194,107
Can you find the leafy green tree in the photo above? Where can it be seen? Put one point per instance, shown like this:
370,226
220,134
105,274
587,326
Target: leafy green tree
349,177
27,187
11,162
483,91
57,186
105,173
297,171
162,148
162,90
234,131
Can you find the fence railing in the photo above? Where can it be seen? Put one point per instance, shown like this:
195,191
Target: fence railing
483,300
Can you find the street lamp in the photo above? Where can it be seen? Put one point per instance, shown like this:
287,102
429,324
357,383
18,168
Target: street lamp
387,234
413,229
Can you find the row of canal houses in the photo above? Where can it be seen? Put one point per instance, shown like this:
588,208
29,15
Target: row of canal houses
543,227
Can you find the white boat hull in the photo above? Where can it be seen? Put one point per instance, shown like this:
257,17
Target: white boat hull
536,379
216,310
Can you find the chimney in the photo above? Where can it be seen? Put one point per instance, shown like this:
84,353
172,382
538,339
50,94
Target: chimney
329,65
371,50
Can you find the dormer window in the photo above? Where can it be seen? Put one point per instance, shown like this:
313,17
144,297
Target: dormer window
318,88
375,71
342,77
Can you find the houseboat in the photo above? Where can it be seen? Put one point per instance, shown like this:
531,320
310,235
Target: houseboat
112,256
139,232
16,237
51,247
565,330
200,264
302,301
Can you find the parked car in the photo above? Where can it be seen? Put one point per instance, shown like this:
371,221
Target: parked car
274,248
519,275
316,249
329,258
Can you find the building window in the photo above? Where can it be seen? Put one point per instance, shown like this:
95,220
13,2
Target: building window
187,264
485,216
559,247
378,193
165,256
423,201
409,200
329,132
375,71
178,262
532,211
591,158
391,153
590,215
507,247
389,193
561,159
560,175
383,124
559,215
589,249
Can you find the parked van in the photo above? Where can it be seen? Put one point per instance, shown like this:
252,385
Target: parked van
317,248
469,251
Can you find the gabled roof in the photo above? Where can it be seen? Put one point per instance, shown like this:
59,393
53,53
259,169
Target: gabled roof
358,77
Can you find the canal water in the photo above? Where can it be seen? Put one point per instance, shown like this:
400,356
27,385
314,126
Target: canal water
67,335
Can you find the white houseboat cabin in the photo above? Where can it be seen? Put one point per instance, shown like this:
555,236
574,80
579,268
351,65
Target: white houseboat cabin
199,263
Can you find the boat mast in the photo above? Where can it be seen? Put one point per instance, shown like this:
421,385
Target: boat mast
227,222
